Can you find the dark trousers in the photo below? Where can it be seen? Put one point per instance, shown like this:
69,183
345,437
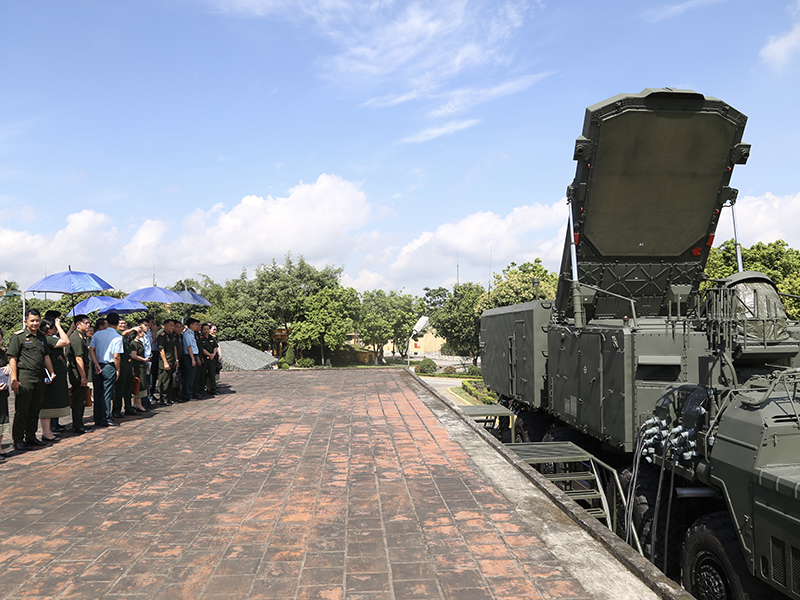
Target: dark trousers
104,393
123,390
199,378
188,376
165,385
210,374
153,374
78,403
26,409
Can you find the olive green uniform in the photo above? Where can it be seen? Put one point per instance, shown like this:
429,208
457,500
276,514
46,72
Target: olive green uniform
78,347
30,350
168,343
209,371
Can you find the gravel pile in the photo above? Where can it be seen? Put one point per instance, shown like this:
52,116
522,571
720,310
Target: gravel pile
237,356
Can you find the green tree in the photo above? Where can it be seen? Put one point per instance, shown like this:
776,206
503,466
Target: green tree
777,260
374,326
327,319
388,318
517,284
455,317
281,289
405,311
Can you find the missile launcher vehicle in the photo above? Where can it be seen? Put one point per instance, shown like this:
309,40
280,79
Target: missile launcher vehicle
687,387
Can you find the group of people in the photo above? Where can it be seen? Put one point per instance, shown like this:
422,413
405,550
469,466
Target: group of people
120,369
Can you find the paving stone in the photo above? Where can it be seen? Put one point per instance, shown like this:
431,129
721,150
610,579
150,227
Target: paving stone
319,484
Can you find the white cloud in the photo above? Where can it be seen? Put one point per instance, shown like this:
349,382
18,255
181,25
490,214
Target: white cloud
366,280
671,11
780,49
427,135
459,100
762,219
315,220
80,244
526,233
323,220
417,46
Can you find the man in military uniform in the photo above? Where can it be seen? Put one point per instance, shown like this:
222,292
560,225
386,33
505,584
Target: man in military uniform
168,361
27,356
79,370
208,348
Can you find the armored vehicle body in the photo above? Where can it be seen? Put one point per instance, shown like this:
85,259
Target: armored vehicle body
688,387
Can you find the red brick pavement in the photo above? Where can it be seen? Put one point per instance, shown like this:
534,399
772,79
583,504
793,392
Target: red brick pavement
301,485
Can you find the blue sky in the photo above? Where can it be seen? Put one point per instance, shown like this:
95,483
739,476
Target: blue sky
393,138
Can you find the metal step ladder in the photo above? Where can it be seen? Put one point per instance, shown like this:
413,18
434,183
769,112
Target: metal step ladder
576,473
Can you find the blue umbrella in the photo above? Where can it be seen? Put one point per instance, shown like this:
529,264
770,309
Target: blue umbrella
91,305
193,298
70,282
155,294
123,307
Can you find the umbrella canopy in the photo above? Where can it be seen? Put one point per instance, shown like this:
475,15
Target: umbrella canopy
91,305
70,282
123,307
193,298
155,294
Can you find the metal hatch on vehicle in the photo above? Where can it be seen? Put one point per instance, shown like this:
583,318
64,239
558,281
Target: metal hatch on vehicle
653,175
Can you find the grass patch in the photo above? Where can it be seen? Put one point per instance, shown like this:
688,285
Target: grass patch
465,397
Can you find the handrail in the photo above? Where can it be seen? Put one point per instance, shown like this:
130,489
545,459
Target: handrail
620,492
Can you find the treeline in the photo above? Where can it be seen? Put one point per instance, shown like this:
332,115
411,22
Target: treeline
319,313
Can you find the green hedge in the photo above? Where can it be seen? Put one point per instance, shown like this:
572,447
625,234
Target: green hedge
483,395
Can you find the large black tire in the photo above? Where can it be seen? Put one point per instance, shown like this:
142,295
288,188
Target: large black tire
644,505
712,564
613,500
520,433
535,423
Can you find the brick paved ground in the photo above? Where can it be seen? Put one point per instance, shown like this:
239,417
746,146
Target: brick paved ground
320,484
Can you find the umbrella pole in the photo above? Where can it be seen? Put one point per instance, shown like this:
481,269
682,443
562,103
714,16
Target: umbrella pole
23,308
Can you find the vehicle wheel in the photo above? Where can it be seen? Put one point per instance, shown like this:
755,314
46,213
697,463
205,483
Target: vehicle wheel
520,434
535,424
644,504
712,564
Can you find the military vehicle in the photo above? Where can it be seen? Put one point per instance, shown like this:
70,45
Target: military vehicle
687,387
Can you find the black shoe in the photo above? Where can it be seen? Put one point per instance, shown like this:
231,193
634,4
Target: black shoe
36,442
117,415
57,428
55,438
79,431
131,412
22,446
